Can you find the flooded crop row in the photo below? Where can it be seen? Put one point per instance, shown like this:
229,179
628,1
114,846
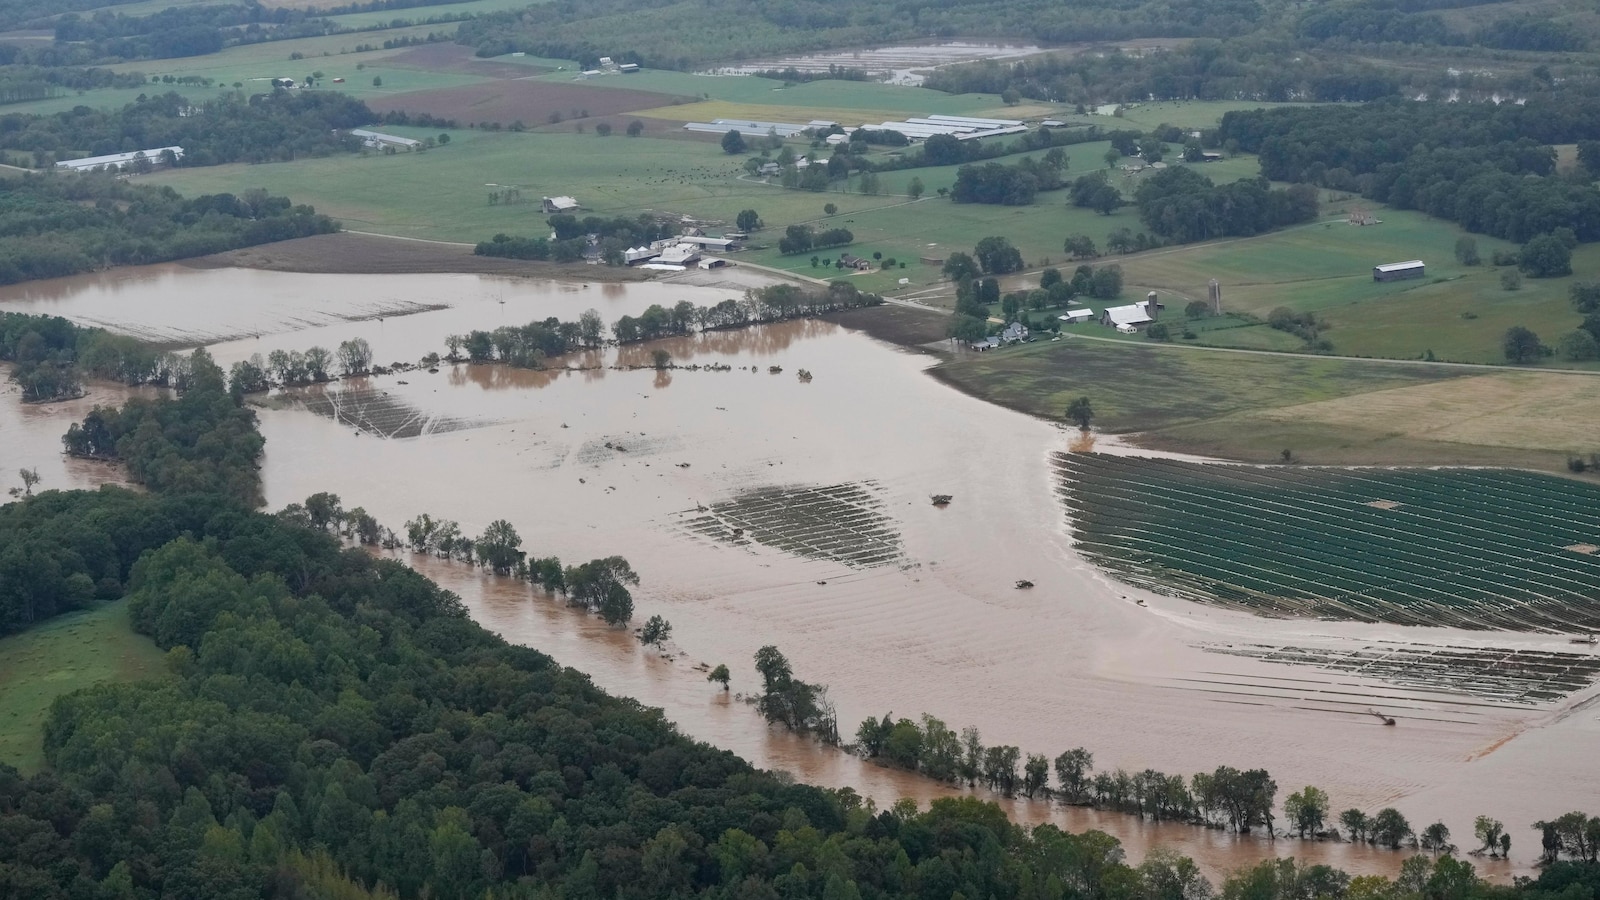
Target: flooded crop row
828,480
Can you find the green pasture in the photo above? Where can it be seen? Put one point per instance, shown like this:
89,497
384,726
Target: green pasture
1460,313
69,652
420,13
1138,387
1464,548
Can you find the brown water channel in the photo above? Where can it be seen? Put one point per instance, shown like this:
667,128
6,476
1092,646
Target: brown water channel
664,467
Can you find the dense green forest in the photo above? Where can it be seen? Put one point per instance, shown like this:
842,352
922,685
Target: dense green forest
682,35
279,126
1489,168
62,225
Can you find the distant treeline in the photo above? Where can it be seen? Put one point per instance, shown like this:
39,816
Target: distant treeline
198,30
528,346
55,225
20,84
1378,21
1251,69
667,34
283,125
1489,168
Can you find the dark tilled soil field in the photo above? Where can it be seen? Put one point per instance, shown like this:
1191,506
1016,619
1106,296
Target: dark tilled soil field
530,102
460,60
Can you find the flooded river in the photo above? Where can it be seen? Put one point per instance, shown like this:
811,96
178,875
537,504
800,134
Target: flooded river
761,508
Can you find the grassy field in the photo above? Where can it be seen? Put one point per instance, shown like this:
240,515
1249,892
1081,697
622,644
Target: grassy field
68,652
1470,549
421,13
1459,313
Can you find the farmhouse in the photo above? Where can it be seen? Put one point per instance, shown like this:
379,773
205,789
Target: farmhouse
1015,333
119,160
1399,271
377,139
560,205
854,262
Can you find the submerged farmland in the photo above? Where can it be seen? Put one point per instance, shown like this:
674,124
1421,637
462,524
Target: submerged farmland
1475,549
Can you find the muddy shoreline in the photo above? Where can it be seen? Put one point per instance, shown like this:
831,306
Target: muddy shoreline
352,253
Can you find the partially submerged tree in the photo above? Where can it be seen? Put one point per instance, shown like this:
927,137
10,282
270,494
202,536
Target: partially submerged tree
720,674
1081,412
655,632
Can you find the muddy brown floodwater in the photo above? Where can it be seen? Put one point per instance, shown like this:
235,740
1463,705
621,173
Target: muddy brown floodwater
763,509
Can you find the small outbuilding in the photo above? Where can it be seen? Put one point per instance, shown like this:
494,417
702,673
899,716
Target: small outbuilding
1411,268
1074,316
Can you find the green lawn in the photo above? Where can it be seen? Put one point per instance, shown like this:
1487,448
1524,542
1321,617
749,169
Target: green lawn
61,655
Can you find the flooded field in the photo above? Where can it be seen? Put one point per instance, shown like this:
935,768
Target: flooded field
763,509
896,65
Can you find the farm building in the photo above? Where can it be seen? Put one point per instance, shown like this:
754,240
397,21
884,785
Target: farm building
854,262
284,83
638,254
1411,268
377,139
560,205
628,68
679,255
721,244
1120,317
1015,333
1073,316
118,160
712,262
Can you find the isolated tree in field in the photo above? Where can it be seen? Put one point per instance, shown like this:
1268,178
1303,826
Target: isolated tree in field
655,632
733,142
600,585
1080,412
1355,824
1306,810
30,477
958,266
1036,775
1436,838
829,209
635,128
1390,829
1072,773
1521,345
1197,309
1545,256
916,188
748,220
1488,831
1579,346
1112,157
377,81
355,357
318,361
720,674
997,256
1467,251
499,548
1080,246
603,129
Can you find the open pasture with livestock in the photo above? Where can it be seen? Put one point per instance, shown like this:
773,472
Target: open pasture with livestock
1469,548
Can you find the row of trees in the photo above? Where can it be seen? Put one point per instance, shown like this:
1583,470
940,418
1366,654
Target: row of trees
804,239
528,346
1009,185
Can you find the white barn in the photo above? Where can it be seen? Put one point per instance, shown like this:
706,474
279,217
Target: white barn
117,160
